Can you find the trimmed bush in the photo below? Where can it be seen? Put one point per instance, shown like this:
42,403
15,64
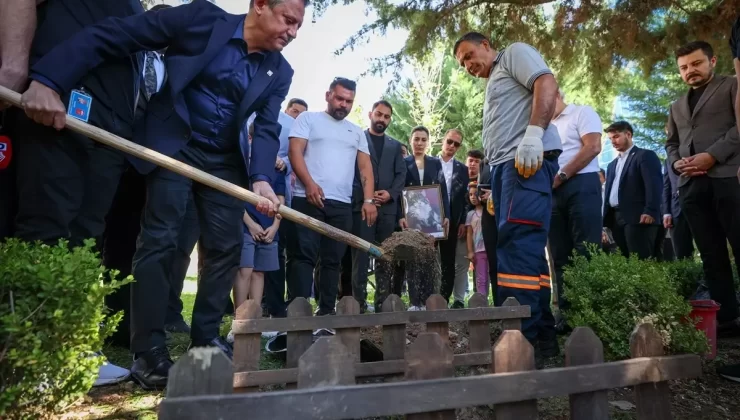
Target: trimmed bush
612,294
52,321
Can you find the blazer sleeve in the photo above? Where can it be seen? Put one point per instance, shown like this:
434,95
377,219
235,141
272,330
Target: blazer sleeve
443,186
266,141
672,142
650,171
113,37
726,147
399,174
666,208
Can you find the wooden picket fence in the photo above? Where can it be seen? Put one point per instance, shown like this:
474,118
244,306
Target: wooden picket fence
300,324
200,382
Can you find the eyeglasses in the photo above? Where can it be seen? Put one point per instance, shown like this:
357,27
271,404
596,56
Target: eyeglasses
451,142
344,82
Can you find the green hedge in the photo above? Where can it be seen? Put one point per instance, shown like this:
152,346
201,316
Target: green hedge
52,319
612,294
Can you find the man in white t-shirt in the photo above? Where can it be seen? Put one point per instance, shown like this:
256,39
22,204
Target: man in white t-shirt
577,195
323,150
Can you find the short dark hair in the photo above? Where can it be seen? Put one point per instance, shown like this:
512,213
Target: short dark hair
343,82
384,103
159,7
475,154
273,3
475,37
687,49
620,126
298,101
420,128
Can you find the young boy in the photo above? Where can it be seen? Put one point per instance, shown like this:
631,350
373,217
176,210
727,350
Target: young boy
260,249
476,246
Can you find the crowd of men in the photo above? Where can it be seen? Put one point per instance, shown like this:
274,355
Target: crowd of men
206,88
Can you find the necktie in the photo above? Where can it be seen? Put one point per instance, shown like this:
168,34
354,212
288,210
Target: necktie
150,75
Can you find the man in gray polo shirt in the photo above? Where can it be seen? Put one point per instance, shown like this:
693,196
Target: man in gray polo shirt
522,148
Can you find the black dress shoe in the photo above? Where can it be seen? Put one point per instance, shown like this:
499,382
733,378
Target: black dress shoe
177,327
219,343
151,368
458,305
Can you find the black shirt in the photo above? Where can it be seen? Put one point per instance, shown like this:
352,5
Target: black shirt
378,142
735,39
695,96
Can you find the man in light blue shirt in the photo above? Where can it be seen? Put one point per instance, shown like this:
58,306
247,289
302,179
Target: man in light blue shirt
275,280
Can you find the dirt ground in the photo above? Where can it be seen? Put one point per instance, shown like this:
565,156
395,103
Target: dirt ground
708,397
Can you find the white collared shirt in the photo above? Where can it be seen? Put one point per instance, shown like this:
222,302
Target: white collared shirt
614,193
573,123
447,169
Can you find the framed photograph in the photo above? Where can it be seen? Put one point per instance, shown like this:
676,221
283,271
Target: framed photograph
422,207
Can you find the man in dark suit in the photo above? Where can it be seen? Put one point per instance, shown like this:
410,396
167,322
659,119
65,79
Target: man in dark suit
389,172
702,147
453,250
66,182
673,220
633,189
207,56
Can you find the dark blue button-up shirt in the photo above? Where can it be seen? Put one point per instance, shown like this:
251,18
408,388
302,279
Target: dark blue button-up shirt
214,96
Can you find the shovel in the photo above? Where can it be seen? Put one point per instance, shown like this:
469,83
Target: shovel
204,178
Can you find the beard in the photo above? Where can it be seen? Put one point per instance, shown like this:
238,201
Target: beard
379,127
338,113
698,79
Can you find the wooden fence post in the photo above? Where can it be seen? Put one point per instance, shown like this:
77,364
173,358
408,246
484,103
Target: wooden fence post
430,357
202,371
653,399
480,332
513,353
247,346
350,336
326,363
297,341
394,336
437,303
514,323
584,348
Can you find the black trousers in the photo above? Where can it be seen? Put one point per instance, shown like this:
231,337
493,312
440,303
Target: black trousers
712,208
308,246
275,280
345,275
575,222
635,238
66,182
681,238
377,233
123,224
447,250
220,222
490,238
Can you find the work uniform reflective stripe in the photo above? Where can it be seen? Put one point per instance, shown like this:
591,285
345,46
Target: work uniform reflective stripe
519,282
545,281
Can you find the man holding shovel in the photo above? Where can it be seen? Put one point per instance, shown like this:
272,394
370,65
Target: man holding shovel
222,68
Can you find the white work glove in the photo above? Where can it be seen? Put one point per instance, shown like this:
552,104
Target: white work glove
529,154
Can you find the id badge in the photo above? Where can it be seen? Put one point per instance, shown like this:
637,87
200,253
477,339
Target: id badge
79,105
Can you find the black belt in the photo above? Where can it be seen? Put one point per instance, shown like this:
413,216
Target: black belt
552,154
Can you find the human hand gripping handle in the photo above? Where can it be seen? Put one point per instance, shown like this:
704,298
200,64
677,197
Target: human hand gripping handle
529,154
269,203
43,105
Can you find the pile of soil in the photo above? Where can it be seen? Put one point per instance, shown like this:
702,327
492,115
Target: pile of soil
417,251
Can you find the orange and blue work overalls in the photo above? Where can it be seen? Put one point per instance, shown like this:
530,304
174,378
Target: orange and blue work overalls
523,207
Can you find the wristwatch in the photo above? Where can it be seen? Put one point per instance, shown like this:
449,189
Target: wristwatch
368,201
563,176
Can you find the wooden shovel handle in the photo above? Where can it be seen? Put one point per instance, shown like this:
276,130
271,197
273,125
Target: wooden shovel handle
204,178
